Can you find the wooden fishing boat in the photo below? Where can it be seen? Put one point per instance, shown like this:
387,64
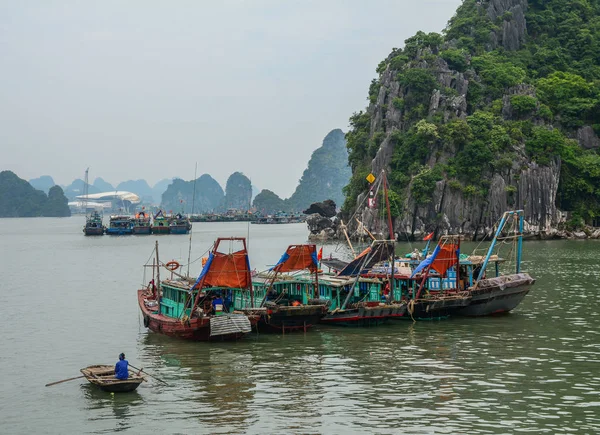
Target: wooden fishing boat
141,223
198,310
357,299
285,302
120,225
93,225
179,224
503,292
103,376
463,286
160,223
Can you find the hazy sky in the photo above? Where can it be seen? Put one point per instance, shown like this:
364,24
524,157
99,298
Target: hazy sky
144,89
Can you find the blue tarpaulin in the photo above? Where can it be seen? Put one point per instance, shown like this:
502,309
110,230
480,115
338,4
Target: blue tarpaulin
205,270
423,264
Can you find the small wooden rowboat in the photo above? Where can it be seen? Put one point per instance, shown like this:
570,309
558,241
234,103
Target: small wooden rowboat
103,376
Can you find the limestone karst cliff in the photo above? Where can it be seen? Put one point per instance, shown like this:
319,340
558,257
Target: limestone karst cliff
499,112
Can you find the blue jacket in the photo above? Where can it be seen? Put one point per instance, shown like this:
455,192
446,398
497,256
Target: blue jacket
121,369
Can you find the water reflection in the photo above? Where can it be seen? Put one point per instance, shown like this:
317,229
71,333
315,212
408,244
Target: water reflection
116,409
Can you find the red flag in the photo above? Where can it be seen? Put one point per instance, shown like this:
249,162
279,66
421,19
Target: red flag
320,254
428,237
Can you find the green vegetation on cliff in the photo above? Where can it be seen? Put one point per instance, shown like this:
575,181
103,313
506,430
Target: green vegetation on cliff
511,86
19,199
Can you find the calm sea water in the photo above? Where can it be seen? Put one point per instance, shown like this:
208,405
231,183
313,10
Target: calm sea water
68,301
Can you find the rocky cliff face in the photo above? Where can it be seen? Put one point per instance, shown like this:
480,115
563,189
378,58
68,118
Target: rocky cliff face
326,174
238,192
462,137
19,199
179,195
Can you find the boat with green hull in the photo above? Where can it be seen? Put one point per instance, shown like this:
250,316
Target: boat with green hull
283,301
200,310
179,224
141,223
160,223
93,225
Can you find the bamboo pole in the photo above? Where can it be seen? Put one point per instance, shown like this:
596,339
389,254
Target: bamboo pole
347,238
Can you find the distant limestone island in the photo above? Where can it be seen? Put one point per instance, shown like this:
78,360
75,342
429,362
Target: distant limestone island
326,175
18,198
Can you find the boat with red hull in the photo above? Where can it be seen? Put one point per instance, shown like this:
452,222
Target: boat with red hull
197,311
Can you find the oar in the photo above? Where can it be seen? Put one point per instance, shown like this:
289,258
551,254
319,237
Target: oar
64,380
141,370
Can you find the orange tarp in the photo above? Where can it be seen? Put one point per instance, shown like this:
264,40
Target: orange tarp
298,257
446,258
228,270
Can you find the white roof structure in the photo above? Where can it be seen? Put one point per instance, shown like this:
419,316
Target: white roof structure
120,195
89,204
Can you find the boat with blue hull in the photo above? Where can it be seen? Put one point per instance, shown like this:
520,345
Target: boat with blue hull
120,225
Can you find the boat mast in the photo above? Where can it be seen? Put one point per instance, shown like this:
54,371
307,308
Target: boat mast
351,290
157,277
193,201
85,191
316,292
248,215
501,226
519,239
387,205
249,277
392,238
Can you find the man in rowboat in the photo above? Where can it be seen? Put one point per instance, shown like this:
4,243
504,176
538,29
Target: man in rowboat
122,368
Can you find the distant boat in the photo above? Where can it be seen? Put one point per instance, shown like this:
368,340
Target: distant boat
280,218
120,225
179,224
160,223
93,225
141,223
198,310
